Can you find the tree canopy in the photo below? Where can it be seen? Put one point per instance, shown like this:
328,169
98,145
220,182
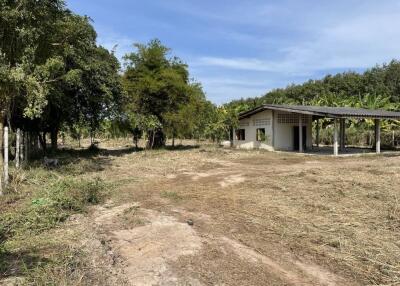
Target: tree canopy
158,88
52,72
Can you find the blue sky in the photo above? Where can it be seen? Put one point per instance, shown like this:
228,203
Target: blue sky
245,48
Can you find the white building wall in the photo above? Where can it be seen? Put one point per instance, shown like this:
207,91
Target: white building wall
284,130
278,131
262,119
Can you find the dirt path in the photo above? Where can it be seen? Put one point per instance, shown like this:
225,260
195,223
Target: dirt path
155,245
148,254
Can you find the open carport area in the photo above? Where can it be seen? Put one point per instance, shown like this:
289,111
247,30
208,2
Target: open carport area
340,115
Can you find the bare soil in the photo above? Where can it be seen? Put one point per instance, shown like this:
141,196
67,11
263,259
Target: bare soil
259,218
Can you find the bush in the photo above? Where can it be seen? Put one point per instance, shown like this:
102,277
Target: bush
74,195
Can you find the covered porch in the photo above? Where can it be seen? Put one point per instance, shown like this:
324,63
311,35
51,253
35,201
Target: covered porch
338,115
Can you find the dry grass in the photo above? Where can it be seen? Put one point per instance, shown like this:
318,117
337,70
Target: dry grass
340,213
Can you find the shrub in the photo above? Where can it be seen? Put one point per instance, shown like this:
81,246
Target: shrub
72,195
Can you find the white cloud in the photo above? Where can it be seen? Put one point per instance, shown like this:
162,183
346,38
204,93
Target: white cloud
235,63
357,42
244,48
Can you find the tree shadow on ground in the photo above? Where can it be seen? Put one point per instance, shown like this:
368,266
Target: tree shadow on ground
16,264
94,159
78,161
181,147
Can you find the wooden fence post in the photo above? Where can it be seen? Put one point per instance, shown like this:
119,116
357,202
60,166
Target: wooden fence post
17,146
1,154
5,156
21,147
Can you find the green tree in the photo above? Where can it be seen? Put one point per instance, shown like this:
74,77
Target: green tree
156,85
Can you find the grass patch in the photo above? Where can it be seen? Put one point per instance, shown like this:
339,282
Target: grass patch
132,218
52,205
22,227
171,195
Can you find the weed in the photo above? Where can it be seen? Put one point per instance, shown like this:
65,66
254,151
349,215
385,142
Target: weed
171,195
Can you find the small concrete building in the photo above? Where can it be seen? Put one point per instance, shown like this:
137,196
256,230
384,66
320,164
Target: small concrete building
290,127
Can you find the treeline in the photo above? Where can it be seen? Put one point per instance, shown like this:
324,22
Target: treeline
55,78
378,87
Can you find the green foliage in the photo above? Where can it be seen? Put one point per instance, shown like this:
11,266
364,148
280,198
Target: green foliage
376,88
154,83
161,99
52,73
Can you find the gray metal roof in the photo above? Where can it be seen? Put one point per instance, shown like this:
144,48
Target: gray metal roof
325,111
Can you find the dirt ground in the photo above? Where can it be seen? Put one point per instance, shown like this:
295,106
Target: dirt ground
259,218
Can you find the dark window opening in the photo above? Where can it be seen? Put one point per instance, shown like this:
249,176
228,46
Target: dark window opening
240,134
261,134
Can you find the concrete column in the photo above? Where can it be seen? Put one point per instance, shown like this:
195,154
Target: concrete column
342,134
335,138
317,136
300,134
378,136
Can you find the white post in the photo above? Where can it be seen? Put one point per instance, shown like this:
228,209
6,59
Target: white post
17,146
300,134
342,134
5,155
378,136
21,147
335,138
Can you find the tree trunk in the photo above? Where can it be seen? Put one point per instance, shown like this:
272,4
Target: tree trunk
152,140
17,148
173,139
135,140
42,141
156,139
91,138
231,136
54,140
5,156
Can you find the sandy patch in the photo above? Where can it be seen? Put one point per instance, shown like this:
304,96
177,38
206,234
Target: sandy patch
232,180
145,251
